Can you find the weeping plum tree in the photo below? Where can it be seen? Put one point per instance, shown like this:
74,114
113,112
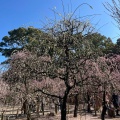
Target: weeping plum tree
18,76
111,69
104,74
4,89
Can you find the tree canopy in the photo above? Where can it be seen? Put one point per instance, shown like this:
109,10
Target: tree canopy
18,39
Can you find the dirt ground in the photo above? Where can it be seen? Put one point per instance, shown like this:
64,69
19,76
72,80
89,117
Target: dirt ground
84,117
91,117
11,113
70,117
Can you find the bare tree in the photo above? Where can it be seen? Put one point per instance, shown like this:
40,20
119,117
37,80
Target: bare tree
114,10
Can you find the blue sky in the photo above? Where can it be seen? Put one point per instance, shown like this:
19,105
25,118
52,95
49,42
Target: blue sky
24,13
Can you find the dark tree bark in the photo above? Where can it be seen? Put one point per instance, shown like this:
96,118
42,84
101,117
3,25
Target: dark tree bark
64,104
42,107
28,115
88,102
104,107
76,105
56,109
24,107
68,111
63,109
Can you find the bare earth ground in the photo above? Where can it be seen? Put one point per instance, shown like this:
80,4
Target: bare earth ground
69,117
10,112
84,117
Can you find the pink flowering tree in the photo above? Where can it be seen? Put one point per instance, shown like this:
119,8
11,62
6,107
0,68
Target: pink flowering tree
18,77
4,90
103,75
110,77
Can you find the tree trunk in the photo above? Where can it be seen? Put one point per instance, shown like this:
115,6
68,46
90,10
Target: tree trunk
68,111
28,115
24,107
38,108
88,108
17,113
2,115
28,111
95,107
104,107
76,105
42,107
63,109
88,103
56,109
103,113
64,104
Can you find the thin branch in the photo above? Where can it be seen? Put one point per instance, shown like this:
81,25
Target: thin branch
48,94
